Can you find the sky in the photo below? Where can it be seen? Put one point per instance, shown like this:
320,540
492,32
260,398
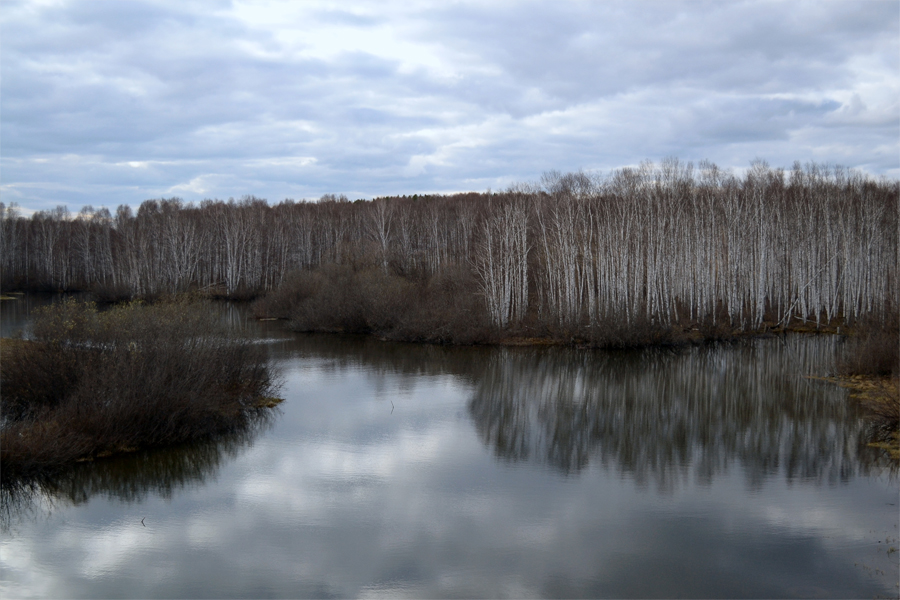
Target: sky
116,102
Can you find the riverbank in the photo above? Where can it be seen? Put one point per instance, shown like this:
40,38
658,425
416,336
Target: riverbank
868,366
93,384
870,369
880,398
73,335
448,308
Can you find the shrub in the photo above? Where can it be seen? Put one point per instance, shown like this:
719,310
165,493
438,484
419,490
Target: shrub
443,308
134,376
873,350
871,358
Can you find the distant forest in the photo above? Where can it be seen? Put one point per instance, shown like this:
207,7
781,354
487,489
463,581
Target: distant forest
663,247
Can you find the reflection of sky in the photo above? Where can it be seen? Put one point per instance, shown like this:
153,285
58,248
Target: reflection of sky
346,497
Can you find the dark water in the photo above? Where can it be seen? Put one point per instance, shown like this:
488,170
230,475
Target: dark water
399,470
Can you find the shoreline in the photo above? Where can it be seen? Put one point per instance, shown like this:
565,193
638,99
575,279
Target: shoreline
878,395
879,398
680,337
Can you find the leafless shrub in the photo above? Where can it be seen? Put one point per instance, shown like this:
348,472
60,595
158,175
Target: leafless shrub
638,333
134,376
445,308
870,366
280,302
873,349
330,302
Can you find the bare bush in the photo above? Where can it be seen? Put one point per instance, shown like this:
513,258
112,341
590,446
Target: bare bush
94,382
445,308
870,367
873,350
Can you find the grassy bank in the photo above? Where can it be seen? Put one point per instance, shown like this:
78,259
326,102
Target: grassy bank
870,369
90,384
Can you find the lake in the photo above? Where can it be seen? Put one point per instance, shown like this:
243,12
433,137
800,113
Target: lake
401,470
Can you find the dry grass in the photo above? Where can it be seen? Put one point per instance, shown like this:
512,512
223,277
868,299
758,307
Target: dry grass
880,399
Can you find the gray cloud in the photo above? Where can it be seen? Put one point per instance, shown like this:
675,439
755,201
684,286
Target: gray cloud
110,102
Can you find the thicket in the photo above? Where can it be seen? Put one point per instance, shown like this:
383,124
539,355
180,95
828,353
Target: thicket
873,350
443,308
870,367
93,383
644,255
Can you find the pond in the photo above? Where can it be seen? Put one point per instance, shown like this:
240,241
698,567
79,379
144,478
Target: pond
400,470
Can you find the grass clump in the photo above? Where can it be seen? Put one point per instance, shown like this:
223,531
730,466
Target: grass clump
90,384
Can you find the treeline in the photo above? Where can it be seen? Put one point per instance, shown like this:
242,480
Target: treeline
662,247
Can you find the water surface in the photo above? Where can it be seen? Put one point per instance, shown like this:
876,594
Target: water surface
403,470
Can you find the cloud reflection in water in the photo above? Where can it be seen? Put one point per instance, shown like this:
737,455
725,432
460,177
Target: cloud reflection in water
708,472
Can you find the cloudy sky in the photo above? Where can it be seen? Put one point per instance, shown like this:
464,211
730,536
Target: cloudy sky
109,103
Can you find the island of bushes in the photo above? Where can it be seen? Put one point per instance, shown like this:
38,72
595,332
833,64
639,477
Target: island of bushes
89,383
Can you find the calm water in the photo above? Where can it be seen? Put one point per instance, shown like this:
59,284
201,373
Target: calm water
400,470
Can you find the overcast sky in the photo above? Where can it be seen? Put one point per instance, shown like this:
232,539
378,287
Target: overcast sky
109,103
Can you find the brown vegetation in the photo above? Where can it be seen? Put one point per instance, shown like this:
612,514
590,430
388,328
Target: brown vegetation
90,384
441,309
870,368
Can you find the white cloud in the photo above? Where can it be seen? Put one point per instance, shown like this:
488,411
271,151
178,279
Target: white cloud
198,185
298,99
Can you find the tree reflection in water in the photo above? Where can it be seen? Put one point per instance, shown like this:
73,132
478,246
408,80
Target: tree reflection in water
660,415
656,416
128,478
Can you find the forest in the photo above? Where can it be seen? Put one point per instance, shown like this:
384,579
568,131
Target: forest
639,255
